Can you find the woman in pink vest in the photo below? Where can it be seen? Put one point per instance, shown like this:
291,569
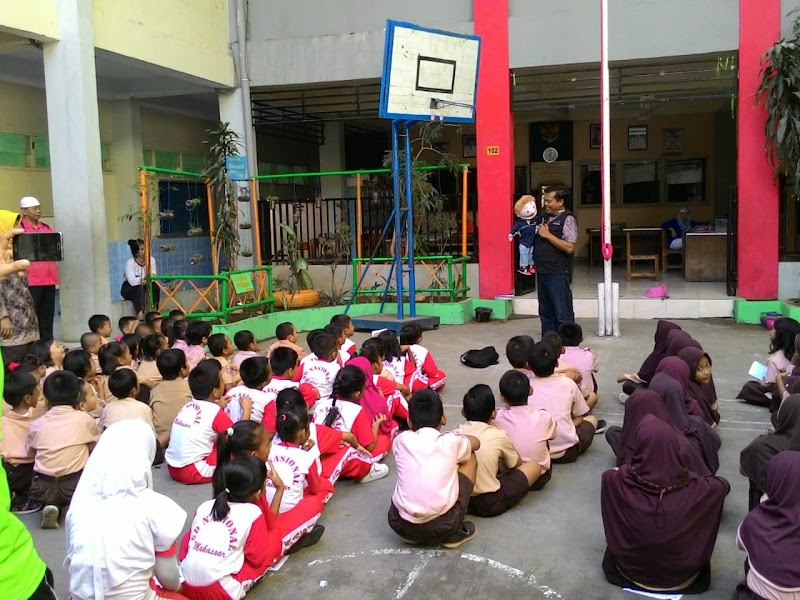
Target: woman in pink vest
42,276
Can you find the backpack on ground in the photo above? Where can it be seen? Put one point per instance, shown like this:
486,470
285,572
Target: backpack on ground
480,359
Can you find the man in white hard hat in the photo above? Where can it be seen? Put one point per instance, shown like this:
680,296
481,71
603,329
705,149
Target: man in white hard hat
42,276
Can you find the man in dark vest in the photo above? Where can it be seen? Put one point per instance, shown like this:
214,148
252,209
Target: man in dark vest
555,246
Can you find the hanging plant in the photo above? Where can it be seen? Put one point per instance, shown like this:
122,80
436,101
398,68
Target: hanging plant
780,93
223,142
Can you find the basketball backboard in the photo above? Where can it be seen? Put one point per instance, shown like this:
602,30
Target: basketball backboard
428,74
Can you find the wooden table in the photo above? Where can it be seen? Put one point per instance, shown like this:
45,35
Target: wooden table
705,255
642,244
617,239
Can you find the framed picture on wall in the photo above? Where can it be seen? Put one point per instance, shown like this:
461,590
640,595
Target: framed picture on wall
637,137
469,146
594,136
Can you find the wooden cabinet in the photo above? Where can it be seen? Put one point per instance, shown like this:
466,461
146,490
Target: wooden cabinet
705,256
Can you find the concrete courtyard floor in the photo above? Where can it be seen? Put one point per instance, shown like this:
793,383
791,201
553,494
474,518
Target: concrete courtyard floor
551,544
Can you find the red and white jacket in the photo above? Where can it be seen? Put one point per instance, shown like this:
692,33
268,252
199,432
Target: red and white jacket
351,418
263,407
318,373
297,470
426,366
194,432
350,347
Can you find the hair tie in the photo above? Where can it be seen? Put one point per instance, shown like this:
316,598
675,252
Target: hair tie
227,491
229,431
13,366
282,417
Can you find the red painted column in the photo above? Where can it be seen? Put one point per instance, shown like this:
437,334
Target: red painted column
494,127
757,235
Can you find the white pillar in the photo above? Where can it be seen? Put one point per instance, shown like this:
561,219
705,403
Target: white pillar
331,158
76,169
127,155
231,111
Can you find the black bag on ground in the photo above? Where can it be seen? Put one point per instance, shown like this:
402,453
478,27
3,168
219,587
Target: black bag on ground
480,359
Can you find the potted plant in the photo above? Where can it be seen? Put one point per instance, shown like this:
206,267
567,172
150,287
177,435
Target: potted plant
223,142
298,291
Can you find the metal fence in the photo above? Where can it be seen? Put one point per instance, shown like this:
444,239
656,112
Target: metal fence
314,219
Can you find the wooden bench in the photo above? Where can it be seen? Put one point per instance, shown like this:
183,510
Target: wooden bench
648,248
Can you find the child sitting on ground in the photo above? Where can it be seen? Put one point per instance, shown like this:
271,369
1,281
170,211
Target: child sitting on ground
127,325
284,363
393,393
319,368
530,429
344,412
62,439
149,349
518,350
124,386
411,336
248,401
332,448
295,466
502,479
553,340
197,334
435,477
22,394
561,397
101,325
176,335
287,338
113,356
338,332
346,323
400,362
171,394
91,342
80,363
51,353
229,546
177,315
294,528
246,345
191,455
582,359
142,331
221,348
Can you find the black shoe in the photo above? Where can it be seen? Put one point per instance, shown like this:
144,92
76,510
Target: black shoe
601,427
465,534
309,539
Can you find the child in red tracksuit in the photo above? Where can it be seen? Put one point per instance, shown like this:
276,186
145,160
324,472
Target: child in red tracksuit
395,393
411,336
332,449
343,412
284,363
400,362
231,543
249,438
191,456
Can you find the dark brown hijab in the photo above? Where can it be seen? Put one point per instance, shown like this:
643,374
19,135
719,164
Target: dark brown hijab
770,533
678,340
642,403
705,394
679,371
702,437
648,368
754,458
660,519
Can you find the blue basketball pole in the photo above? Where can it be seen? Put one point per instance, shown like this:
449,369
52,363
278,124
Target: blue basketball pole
398,220
412,283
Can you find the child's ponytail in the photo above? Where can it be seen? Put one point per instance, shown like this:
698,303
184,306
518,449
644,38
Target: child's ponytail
235,442
290,422
391,345
241,479
109,357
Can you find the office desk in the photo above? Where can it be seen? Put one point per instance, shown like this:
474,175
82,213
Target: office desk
617,240
705,255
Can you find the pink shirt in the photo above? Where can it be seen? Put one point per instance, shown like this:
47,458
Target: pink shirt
40,273
241,356
194,354
427,472
585,361
530,430
562,398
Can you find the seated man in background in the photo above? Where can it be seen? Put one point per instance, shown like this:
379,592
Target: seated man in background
675,228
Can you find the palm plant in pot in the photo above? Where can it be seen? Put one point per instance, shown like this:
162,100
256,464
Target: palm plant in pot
297,290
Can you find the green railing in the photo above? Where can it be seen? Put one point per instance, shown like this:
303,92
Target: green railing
374,283
217,296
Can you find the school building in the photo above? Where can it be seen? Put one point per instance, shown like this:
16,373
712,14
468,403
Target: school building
91,89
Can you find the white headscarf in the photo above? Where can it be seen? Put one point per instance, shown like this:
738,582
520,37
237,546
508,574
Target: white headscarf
116,475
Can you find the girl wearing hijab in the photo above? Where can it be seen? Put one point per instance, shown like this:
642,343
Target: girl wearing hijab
622,439
678,340
781,351
630,381
701,383
678,370
704,439
119,531
754,458
660,518
770,535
